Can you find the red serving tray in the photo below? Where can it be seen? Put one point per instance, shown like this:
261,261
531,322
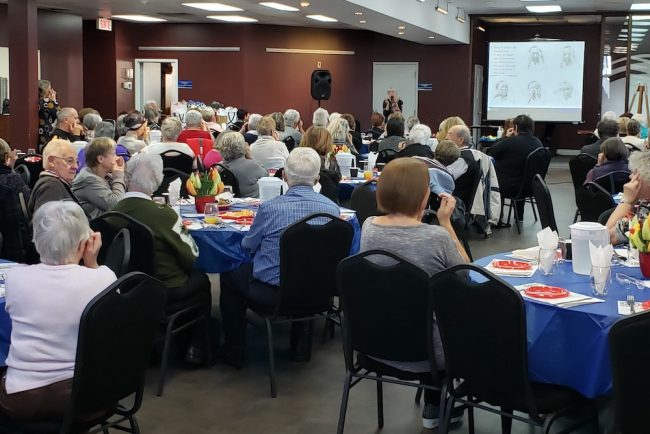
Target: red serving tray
508,264
546,292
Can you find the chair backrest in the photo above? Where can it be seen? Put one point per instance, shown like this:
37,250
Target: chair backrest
328,187
13,227
118,253
592,200
579,166
200,147
386,308
170,175
364,201
290,143
308,281
630,359
116,334
24,173
476,180
33,163
385,156
178,161
537,162
228,178
140,236
614,181
483,331
544,203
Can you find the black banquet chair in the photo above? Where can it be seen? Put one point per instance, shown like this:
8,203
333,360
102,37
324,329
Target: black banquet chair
483,331
385,156
228,178
364,201
579,166
614,181
630,374
386,315
592,201
32,164
306,285
544,203
116,334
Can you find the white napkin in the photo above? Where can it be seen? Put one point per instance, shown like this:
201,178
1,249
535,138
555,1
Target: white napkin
174,191
547,238
601,256
529,254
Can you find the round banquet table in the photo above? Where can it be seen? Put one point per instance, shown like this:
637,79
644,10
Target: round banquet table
569,346
220,247
5,325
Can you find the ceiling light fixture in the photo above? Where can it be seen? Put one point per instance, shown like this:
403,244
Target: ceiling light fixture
442,10
304,4
232,18
279,6
322,18
544,9
481,28
400,33
460,18
358,13
401,28
421,1
213,7
139,18
431,37
362,21
640,7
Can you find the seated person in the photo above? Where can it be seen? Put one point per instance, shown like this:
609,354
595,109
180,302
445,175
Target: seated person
174,249
242,118
292,126
169,132
606,128
238,160
259,281
394,134
446,124
447,153
612,158
633,140
9,178
320,118
54,183
377,123
357,142
249,129
466,168
418,143
45,302
100,184
136,132
267,150
339,129
195,128
320,140
403,194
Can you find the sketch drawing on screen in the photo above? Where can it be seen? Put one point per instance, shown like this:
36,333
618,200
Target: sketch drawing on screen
534,91
565,89
568,57
501,93
535,57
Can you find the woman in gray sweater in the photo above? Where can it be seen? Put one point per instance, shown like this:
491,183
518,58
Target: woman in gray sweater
238,160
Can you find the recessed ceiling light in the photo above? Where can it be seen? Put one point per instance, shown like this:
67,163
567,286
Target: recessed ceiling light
232,18
139,18
279,6
322,18
543,9
304,4
213,7
362,21
358,13
400,33
481,28
401,28
441,9
421,1
640,7
431,37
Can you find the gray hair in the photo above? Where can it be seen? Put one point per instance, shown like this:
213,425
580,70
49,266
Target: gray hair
291,118
302,167
43,85
253,120
65,112
193,118
232,145
105,129
421,134
208,113
59,228
119,126
151,111
170,129
412,121
463,132
91,120
321,117
144,172
339,129
640,162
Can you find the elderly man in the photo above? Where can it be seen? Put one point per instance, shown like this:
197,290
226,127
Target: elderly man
68,126
258,282
466,168
170,130
267,150
321,118
292,126
249,129
606,128
195,128
54,183
418,143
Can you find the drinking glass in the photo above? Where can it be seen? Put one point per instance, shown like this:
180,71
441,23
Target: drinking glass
600,278
211,213
547,259
632,256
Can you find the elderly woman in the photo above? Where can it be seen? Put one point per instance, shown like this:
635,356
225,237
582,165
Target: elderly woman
137,133
45,302
320,140
418,143
633,140
48,108
9,178
90,123
169,132
152,115
100,184
612,158
234,151
292,126
340,132
636,198
279,121
210,120
403,194
320,118
195,128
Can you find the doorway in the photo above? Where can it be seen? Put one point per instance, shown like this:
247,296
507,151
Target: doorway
401,76
156,80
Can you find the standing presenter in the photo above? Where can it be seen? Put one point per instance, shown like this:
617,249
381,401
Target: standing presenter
392,103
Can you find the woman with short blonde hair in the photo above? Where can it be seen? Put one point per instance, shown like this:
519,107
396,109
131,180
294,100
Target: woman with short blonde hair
446,125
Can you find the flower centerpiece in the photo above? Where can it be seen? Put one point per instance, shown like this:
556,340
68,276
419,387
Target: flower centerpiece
204,186
639,235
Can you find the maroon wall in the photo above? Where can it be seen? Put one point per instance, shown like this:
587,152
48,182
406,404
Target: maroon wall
99,82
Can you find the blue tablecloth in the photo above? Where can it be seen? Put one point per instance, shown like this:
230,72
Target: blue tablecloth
220,248
569,347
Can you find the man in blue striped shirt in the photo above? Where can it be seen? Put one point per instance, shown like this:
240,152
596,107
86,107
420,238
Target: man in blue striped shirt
258,282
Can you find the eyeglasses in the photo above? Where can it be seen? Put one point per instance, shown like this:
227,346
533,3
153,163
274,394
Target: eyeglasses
70,161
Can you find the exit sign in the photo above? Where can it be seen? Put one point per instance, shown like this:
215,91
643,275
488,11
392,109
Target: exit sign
104,24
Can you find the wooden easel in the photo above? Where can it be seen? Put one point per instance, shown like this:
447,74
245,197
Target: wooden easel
642,93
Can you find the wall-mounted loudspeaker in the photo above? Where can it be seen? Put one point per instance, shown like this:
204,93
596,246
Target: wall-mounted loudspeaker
321,84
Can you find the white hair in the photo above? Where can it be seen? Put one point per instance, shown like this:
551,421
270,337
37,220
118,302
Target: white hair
463,131
65,112
144,172
609,115
170,129
334,116
291,118
339,129
193,118
91,120
302,167
421,134
253,120
640,162
640,119
59,228
320,118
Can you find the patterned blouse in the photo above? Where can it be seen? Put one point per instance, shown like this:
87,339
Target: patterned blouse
641,210
47,111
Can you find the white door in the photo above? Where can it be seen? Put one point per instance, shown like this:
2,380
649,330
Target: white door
148,82
401,76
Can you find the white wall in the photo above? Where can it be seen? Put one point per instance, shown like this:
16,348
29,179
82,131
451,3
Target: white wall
151,83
